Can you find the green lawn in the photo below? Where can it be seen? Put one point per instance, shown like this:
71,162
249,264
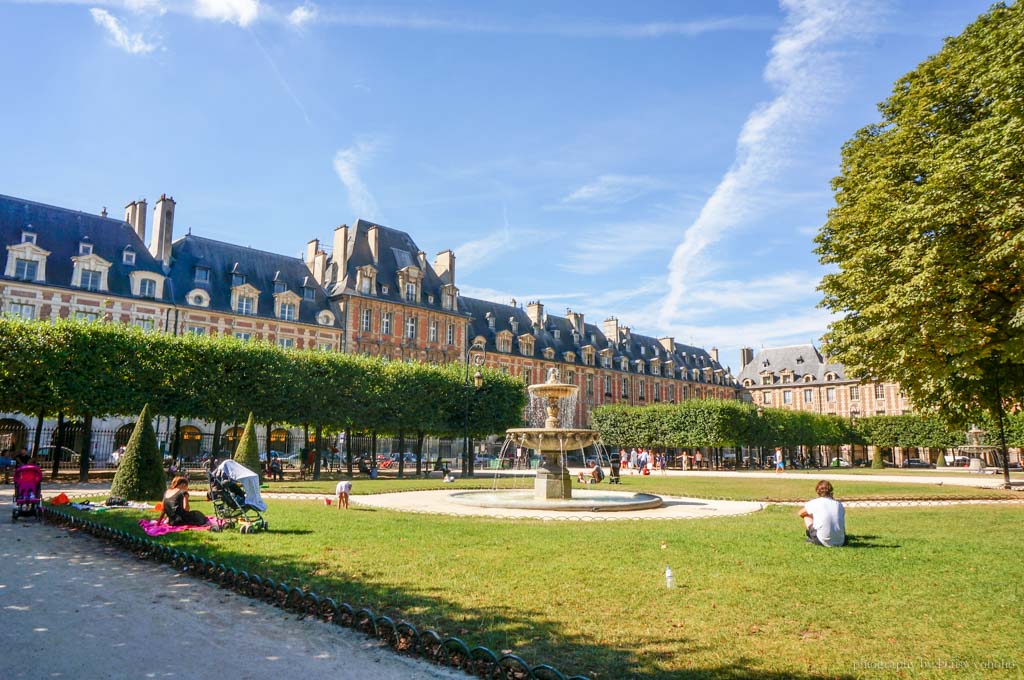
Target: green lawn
921,586
731,488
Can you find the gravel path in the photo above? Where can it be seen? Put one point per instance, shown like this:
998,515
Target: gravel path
76,607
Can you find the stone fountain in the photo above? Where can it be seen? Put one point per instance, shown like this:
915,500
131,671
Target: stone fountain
551,441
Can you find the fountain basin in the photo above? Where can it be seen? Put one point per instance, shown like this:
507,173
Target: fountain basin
583,500
552,439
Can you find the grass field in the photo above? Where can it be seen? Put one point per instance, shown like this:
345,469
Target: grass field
918,591
730,488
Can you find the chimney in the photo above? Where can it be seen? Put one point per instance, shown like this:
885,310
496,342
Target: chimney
535,310
746,356
444,266
339,256
103,213
372,237
576,319
135,216
319,267
163,228
714,354
669,344
312,248
421,258
611,329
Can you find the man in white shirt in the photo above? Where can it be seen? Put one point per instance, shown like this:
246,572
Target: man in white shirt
824,518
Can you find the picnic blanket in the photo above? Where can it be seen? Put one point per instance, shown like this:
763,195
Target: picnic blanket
154,528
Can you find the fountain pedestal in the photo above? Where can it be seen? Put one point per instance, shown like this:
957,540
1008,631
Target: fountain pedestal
553,480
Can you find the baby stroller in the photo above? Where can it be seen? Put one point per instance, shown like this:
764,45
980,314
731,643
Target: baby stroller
28,486
235,493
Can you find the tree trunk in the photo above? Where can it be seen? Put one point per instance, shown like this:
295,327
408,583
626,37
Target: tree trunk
217,426
266,442
83,458
1001,415
59,443
39,433
348,450
419,452
176,442
470,459
401,454
319,448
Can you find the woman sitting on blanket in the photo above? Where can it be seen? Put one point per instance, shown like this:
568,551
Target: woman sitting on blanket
176,508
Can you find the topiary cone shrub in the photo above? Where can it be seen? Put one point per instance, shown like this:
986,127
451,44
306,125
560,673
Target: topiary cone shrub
940,461
876,460
248,452
140,474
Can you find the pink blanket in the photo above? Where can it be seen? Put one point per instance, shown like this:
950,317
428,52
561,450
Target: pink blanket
153,528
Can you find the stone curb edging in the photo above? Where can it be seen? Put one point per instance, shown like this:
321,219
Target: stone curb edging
403,637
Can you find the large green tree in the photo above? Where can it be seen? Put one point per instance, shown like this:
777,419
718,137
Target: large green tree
926,236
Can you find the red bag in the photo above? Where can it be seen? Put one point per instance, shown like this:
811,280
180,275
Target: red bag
60,499
646,471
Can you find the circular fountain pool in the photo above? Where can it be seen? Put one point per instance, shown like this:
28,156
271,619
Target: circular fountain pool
582,500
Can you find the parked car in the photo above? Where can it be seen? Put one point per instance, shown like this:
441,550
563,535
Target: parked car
839,463
46,454
916,463
958,461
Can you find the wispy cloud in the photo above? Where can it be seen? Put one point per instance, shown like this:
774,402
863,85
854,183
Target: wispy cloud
762,293
145,6
347,164
606,248
506,298
804,72
240,12
302,15
132,43
611,190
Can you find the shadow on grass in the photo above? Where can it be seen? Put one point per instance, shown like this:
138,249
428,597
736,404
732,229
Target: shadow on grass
522,629
868,541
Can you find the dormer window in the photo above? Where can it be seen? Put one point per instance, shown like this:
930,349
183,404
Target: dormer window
549,353
147,288
245,304
384,290
202,275
85,248
288,311
28,237
90,279
557,334
514,324
309,293
447,299
364,286
643,350
490,321
26,270
237,280
128,257
280,287
410,292
624,364
504,341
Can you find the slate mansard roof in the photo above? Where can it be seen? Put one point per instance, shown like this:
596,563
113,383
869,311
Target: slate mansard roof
60,231
802,360
261,269
630,345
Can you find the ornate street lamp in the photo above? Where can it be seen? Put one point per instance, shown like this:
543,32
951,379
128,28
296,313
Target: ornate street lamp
478,382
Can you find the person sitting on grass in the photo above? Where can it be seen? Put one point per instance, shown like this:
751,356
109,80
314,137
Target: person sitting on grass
176,509
824,518
595,476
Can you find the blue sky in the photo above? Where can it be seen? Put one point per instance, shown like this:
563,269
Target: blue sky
665,162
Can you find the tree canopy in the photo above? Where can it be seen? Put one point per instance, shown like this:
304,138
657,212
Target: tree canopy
926,237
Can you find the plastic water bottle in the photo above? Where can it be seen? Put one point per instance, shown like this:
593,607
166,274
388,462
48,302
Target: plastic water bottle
670,581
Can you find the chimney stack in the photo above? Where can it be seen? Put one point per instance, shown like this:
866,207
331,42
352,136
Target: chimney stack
372,238
163,228
103,213
746,356
444,266
668,343
339,256
535,310
611,329
576,319
421,259
135,216
714,354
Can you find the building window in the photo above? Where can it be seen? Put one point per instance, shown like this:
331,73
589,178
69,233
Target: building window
590,385
288,311
830,394
625,387
608,386
433,331
385,323
767,398
854,392
128,257
202,275
766,380
23,311
787,396
309,294
446,300
237,280
410,328
86,316
808,396
196,330
25,269
879,391
286,343
325,347
671,392
606,361
145,324
787,378
280,287
147,288
91,279
367,322
643,389
28,237
451,334
410,292
85,249
528,375
246,305
243,336
504,343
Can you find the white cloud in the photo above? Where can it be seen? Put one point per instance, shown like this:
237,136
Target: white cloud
145,6
804,72
347,164
505,297
762,293
130,43
612,190
623,245
241,12
302,15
